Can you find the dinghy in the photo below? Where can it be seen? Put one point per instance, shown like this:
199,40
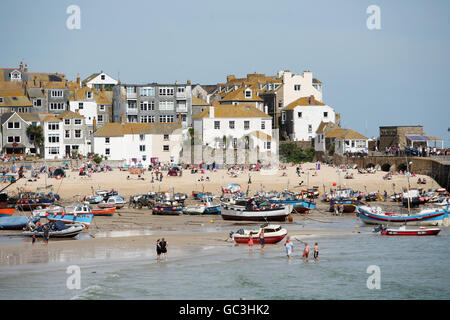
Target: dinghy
58,229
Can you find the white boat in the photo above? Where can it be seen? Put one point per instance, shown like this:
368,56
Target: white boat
194,209
57,230
272,234
114,201
247,210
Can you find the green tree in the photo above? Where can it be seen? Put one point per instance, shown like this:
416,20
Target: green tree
97,159
290,152
36,134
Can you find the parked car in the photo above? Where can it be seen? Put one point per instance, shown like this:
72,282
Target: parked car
142,200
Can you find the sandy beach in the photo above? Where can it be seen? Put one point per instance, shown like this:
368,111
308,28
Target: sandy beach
132,229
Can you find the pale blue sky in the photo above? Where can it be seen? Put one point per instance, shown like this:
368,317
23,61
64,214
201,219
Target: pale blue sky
394,76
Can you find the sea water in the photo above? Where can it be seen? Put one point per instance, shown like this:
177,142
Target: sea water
409,268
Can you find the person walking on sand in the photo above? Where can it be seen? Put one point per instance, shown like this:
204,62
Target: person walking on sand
316,252
289,247
306,252
163,244
158,251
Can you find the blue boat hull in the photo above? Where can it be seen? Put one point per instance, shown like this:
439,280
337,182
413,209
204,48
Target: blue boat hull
435,218
299,206
85,218
212,210
14,223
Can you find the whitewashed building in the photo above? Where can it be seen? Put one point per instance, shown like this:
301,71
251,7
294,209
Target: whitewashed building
301,119
139,143
99,81
297,86
348,141
243,128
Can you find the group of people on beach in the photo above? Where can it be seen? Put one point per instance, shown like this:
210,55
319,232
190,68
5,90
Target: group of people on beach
290,248
161,249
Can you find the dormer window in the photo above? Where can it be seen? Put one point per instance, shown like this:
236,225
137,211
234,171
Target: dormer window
102,77
57,93
248,93
297,87
89,94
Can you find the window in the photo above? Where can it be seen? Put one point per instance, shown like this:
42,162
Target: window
13,139
56,93
131,90
234,143
231,124
141,137
36,103
53,150
180,89
162,118
57,106
297,87
102,107
183,117
246,125
142,148
1,99
325,114
166,91
299,114
165,147
13,125
102,77
147,91
100,118
80,105
283,117
216,124
67,134
248,93
77,122
309,128
89,94
166,105
132,104
166,137
53,139
53,126
107,151
263,125
267,145
78,134
107,140
67,121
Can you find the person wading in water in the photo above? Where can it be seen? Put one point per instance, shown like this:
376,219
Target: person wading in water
163,245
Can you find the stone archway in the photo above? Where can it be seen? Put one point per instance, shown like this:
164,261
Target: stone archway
370,165
402,167
386,167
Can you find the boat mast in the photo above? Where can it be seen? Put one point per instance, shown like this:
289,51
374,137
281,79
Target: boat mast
409,186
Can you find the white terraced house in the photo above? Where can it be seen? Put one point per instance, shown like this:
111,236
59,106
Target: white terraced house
139,143
235,127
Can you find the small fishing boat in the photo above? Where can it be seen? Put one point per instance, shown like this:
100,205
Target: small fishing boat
169,208
117,202
15,222
31,200
81,209
426,217
94,199
195,209
254,210
403,231
85,218
272,234
412,196
58,229
7,211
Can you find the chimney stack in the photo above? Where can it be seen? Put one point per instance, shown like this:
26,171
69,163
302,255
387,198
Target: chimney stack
26,68
211,111
21,65
122,119
78,79
311,100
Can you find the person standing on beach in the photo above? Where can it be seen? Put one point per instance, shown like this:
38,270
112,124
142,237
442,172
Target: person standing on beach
163,245
306,252
250,242
158,251
261,238
316,252
289,247
46,234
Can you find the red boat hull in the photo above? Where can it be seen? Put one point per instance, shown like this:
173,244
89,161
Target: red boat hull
274,239
7,211
103,212
424,232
